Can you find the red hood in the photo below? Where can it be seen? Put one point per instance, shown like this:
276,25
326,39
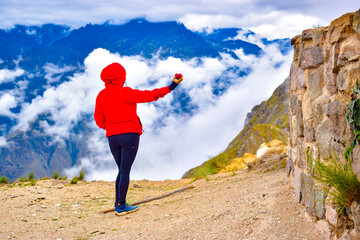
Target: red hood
114,74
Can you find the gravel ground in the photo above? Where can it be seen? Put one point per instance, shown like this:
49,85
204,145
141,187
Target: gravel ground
241,205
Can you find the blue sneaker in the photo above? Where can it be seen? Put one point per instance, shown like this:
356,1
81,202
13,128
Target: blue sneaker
125,209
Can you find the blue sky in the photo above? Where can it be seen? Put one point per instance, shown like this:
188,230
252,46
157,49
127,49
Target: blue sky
273,19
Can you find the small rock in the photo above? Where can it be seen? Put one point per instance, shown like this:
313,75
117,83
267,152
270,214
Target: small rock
346,235
331,214
354,234
75,205
43,206
308,217
324,228
249,231
58,205
355,210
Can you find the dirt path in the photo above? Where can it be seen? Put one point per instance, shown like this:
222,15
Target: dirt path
245,205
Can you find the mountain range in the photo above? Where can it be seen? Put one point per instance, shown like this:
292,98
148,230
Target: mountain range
36,49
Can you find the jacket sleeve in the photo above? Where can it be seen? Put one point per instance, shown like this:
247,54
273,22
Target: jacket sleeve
99,115
143,96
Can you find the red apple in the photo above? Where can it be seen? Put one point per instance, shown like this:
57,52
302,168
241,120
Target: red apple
178,75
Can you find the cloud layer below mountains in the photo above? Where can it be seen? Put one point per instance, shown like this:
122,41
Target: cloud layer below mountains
272,19
180,142
172,143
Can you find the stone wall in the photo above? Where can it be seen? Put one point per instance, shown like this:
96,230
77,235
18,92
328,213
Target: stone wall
322,76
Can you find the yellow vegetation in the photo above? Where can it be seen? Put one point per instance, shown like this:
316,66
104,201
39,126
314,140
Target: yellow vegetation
239,163
276,143
275,146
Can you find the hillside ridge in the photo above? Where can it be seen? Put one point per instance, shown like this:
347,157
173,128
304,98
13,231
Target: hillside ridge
265,122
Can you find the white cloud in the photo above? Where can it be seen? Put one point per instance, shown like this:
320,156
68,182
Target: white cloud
182,142
7,101
31,31
185,143
100,164
11,98
54,73
3,142
272,25
201,22
7,75
287,17
283,25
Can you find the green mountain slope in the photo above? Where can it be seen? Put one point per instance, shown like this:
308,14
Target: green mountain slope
265,122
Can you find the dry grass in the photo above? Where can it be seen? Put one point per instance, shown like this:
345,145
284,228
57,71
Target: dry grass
338,179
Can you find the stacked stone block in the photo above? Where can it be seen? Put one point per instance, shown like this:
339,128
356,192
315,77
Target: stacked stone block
325,67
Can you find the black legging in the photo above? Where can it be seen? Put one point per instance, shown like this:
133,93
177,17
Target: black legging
124,148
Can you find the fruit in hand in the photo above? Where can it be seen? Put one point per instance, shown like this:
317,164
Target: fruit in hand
178,75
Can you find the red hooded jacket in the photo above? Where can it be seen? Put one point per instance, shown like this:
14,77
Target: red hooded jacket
115,109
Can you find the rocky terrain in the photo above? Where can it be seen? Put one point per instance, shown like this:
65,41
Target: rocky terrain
236,205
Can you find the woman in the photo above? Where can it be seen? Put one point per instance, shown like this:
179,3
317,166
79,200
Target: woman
115,111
